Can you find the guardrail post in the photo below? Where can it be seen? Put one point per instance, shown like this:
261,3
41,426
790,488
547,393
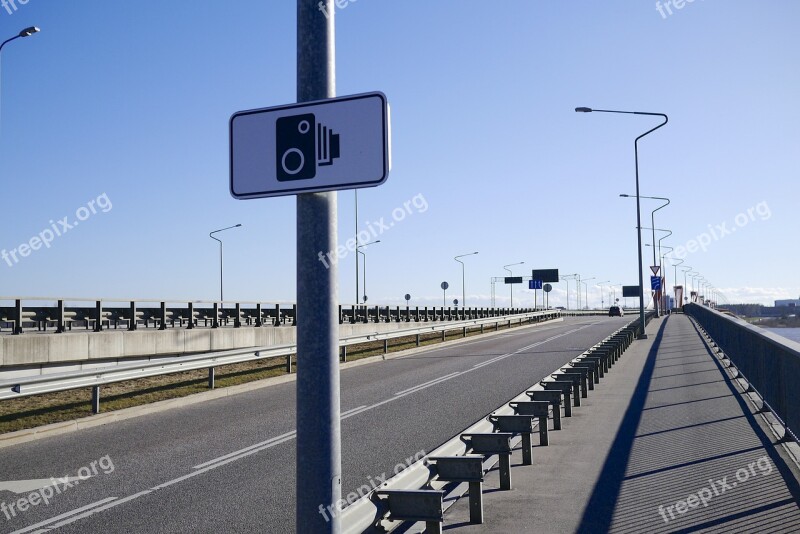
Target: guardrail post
465,331
211,376
18,316
163,316
496,326
190,305
61,324
344,353
481,328
289,364
132,321
237,321
444,335
98,325
95,399
215,322
385,346
259,319
341,316
294,314
277,315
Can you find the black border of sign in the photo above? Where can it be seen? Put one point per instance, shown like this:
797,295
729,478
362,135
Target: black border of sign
295,190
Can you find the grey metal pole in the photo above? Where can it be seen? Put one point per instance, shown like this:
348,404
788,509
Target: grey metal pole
356,191
319,462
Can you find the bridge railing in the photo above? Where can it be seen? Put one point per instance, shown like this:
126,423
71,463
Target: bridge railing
96,314
768,362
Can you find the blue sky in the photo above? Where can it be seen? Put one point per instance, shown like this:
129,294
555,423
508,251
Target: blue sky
127,104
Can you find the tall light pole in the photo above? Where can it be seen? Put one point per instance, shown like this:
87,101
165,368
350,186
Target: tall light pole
211,235
358,251
602,300
586,289
566,279
463,279
686,270
642,335
27,32
652,217
506,267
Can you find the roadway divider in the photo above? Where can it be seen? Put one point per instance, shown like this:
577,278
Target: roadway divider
424,490
97,377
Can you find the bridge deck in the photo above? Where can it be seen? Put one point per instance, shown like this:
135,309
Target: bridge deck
665,444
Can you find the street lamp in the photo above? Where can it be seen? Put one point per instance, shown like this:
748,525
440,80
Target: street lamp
506,267
27,32
211,235
602,300
586,289
463,279
652,217
365,266
643,335
567,278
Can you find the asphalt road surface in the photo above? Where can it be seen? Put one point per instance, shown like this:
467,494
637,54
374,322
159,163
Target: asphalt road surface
228,464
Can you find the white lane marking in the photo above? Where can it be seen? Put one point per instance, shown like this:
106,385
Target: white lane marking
265,443
247,451
91,512
348,413
27,486
62,516
426,383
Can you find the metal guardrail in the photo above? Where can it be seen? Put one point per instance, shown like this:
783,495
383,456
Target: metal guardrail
768,362
369,513
50,383
63,312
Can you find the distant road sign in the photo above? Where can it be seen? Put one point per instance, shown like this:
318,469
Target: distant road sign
338,143
547,288
545,275
655,283
655,269
631,291
444,286
513,279
455,302
407,297
534,284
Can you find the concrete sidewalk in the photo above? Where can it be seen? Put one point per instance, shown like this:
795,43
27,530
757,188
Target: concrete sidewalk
665,443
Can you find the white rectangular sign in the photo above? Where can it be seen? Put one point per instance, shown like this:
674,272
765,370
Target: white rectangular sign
339,143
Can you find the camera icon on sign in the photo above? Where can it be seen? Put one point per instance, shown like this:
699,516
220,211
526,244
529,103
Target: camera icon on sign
302,145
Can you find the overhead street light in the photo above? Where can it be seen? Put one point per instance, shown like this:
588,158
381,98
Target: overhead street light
27,32
586,289
642,335
506,267
602,300
358,251
463,279
653,223
211,235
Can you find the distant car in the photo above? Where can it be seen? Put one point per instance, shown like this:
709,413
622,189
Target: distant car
615,311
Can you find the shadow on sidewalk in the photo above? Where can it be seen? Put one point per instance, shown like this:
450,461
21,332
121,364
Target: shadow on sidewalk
599,510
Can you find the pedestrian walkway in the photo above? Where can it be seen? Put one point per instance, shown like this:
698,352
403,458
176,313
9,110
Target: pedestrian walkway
665,443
